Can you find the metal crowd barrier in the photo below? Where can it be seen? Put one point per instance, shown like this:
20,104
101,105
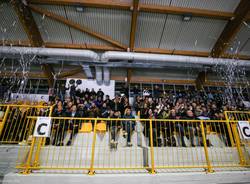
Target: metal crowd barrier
135,145
123,145
243,145
15,127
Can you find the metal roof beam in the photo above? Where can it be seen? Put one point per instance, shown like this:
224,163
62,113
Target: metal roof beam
69,73
231,28
111,4
200,80
76,26
27,20
28,23
129,75
48,72
81,46
133,24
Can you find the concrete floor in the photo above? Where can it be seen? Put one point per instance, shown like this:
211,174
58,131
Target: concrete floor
192,178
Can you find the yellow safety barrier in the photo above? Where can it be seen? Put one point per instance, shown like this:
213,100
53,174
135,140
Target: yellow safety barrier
141,145
243,145
15,127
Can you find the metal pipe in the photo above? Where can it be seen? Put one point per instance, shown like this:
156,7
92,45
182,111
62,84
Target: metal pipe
98,75
82,55
106,75
114,55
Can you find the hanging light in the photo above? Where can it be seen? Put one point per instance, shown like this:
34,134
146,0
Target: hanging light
187,17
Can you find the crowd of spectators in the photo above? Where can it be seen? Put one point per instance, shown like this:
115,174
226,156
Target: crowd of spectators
154,105
189,105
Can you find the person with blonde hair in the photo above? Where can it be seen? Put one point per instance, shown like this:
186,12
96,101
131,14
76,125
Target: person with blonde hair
128,126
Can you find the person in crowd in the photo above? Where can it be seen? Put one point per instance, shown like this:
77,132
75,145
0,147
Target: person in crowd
128,126
190,127
73,124
136,91
100,93
93,111
117,105
99,102
92,93
114,127
59,126
72,89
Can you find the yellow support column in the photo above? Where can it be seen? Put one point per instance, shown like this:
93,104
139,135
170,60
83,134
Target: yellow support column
37,154
229,129
28,162
50,115
237,141
209,167
4,119
41,142
152,148
91,169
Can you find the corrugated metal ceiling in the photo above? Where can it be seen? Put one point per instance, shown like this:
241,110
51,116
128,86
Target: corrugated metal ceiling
218,5
241,43
149,30
156,2
53,31
112,23
199,34
10,26
153,30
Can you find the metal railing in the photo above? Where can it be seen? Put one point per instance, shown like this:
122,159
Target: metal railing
243,145
135,145
15,127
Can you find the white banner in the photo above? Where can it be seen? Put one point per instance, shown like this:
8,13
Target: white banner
244,128
30,97
43,126
88,83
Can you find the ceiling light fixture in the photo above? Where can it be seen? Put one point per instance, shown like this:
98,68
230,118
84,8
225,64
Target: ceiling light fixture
187,17
79,9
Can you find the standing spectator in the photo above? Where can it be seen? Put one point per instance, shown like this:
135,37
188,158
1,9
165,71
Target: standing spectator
117,105
59,126
93,93
136,91
72,90
128,126
73,124
100,93
114,127
190,127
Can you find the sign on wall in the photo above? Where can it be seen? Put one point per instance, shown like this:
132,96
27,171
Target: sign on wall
244,129
30,97
43,127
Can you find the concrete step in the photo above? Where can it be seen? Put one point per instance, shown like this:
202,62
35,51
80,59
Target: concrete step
132,178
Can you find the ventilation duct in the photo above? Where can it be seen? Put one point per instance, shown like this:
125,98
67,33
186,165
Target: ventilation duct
106,75
113,55
87,71
65,54
98,75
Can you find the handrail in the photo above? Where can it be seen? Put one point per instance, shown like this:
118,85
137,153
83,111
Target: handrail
135,119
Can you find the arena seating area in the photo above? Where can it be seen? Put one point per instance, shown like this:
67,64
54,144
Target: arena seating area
91,132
